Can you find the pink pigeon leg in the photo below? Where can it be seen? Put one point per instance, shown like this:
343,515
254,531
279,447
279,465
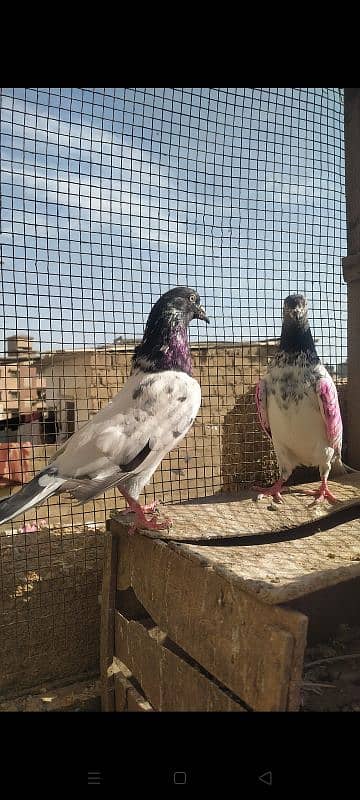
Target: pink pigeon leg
272,491
141,521
322,493
148,509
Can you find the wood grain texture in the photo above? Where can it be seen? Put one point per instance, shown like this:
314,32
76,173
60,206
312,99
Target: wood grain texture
241,517
274,569
127,698
254,649
169,681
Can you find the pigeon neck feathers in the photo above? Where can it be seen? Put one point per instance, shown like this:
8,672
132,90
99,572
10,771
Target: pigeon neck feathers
296,339
164,346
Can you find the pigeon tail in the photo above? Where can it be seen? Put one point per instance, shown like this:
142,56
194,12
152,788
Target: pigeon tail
34,492
338,468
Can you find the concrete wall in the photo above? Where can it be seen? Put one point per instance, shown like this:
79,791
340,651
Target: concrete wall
19,385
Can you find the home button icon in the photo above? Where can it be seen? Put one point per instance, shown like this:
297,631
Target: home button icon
179,777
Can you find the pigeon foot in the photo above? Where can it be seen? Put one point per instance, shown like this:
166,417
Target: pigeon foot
148,509
272,491
149,523
142,522
321,494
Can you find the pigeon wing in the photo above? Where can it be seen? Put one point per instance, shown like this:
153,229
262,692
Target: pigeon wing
149,417
261,406
330,411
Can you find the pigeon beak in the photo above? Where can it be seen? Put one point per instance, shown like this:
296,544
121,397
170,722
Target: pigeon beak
201,314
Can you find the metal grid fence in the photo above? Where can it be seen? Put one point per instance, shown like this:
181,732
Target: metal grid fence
110,197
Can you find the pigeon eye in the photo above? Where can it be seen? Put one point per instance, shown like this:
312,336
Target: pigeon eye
192,298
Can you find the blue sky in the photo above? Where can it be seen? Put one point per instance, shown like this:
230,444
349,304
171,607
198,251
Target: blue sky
111,196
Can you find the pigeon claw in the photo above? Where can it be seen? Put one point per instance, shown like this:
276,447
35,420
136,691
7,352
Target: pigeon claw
271,491
321,494
149,523
149,509
141,521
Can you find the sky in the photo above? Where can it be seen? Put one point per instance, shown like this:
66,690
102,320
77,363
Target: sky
112,196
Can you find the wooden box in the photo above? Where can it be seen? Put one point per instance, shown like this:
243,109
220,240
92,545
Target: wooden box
215,614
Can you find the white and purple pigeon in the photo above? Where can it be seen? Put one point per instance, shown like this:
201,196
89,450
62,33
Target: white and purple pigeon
124,443
298,406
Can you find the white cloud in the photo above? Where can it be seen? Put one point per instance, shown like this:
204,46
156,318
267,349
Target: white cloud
104,198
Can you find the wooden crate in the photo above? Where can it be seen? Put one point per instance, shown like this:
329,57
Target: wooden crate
214,616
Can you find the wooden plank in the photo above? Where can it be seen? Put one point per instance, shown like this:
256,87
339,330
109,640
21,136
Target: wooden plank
237,517
275,566
107,632
84,695
136,702
127,698
169,682
254,649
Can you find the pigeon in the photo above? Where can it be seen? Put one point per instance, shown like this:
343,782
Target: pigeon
298,406
124,443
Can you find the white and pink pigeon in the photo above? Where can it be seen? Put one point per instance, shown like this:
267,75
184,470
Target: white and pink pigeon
125,442
298,407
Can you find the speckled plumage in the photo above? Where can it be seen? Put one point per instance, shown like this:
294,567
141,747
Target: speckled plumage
124,443
297,400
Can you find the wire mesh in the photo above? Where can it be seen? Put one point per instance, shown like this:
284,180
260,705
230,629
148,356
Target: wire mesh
109,198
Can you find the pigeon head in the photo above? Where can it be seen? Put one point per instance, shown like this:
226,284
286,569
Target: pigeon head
165,343
179,306
296,309
296,336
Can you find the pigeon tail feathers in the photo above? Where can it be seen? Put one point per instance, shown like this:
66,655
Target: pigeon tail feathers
33,493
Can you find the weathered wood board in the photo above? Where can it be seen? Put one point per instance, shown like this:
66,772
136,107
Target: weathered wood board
274,567
208,609
242,516
254,649
168,680
127,698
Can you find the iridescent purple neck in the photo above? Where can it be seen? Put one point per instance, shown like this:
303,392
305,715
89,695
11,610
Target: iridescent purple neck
164,346
176,354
